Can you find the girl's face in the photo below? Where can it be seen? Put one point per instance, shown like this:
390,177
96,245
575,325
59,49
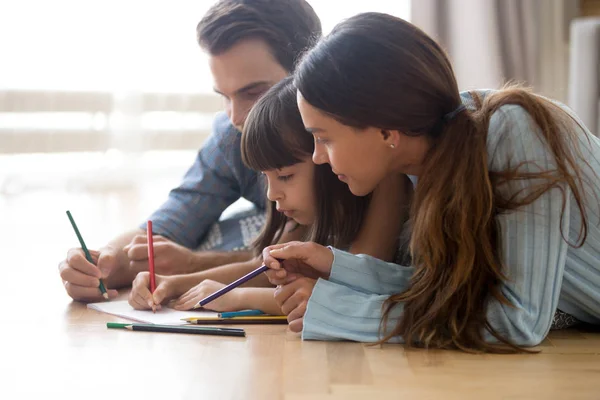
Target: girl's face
292,190
361,158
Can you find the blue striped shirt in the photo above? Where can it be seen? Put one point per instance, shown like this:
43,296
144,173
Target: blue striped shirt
217,178
544,273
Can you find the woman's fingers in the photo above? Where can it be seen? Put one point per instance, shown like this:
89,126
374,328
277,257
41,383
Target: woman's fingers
297,325
274,262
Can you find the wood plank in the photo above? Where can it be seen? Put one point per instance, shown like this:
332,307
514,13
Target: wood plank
58,347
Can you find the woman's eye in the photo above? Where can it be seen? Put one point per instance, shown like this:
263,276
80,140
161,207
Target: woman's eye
285,178
320,140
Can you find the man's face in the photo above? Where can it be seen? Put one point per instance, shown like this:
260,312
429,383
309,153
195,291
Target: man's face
242,74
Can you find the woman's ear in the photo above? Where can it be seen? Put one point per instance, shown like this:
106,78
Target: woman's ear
391,138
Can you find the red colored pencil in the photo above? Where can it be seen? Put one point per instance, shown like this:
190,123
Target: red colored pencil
151,260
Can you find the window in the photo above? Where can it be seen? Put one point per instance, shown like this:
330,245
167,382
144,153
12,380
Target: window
114,77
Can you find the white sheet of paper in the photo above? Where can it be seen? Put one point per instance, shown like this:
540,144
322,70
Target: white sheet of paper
164,316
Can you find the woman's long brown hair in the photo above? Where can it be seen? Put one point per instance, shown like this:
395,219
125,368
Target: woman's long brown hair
378,70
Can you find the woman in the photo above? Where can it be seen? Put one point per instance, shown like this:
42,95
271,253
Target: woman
504,219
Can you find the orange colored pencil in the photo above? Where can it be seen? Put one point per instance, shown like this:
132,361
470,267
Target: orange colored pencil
151,260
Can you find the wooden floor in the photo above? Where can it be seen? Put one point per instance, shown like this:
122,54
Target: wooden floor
51,346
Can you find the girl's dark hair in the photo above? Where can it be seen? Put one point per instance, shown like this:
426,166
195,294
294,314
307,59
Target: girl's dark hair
375,70
274,137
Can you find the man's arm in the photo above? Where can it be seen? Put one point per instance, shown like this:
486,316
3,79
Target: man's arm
211,185
208,188
171,258
122,272
209,259
217,179
119,275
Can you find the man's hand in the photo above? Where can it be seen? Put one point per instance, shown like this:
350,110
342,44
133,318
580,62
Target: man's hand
82,278
170,258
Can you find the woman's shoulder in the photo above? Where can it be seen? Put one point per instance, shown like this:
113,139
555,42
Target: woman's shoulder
511,129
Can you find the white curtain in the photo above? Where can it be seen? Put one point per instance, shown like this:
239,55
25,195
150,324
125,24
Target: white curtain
491,42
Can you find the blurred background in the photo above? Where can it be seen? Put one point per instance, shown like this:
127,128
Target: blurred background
104,103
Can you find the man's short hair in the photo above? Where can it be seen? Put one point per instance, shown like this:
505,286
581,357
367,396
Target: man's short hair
289,27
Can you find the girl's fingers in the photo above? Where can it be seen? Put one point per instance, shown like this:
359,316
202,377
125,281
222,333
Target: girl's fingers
137,301
141,291
186,305
145,298
160,294
186,296
183,299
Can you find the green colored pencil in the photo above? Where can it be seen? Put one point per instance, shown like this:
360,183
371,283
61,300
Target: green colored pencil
88,256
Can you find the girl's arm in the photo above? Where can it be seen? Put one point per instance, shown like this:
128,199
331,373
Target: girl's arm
230,272
263,299
241,298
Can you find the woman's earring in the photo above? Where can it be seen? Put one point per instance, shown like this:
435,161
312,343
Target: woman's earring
392,146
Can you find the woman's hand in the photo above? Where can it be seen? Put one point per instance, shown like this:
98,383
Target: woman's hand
293,299
289,261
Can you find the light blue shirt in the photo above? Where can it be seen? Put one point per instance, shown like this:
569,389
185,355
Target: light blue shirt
543,272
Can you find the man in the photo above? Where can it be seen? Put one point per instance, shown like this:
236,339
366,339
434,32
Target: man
252,45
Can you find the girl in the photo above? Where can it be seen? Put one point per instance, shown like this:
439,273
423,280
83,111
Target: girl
307,202
505,216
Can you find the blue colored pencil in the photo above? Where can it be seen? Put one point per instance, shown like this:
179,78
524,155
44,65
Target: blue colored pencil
231,286
243,313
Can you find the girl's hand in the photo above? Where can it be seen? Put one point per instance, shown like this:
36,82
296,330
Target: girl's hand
228,302
289,261
140,297
293,299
